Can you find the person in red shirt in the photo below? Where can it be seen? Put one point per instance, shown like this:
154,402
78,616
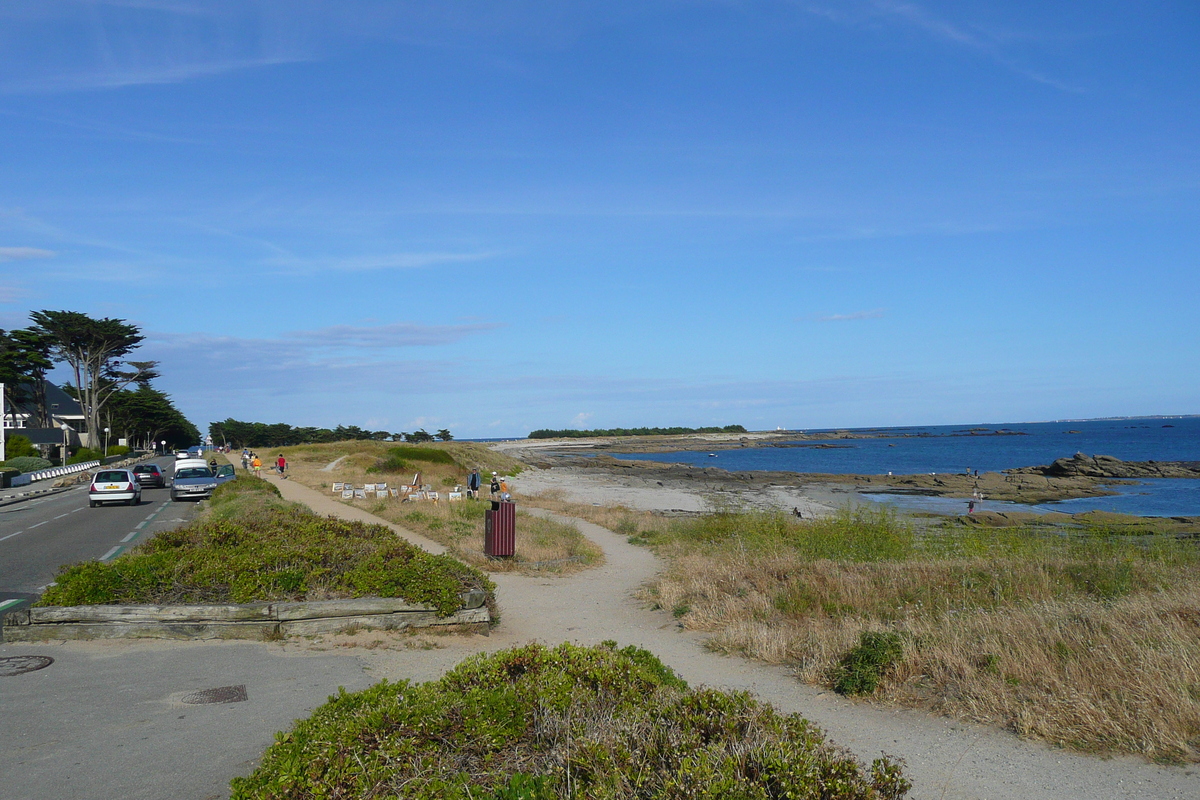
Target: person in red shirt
281,465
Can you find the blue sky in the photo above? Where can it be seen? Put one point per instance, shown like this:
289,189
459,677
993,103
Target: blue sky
496,217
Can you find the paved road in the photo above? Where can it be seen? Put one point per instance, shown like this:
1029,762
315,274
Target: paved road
38,536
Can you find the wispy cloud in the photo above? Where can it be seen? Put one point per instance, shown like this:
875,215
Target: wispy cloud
24,253
61,47
399,334
369,263
11,294
872,314
977,38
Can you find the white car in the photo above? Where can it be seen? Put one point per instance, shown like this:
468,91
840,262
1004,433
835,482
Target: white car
114,486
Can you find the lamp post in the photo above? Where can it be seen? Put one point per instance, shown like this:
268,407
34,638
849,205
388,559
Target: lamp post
164,446
66,442
106,430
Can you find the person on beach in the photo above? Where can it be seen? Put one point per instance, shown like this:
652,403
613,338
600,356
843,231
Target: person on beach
495,487
504,495
473,484
281,465
256,466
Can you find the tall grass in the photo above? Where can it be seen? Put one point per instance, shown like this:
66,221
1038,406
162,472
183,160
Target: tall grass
1089,641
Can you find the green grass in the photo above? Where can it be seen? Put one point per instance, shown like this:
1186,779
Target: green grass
568,722
252,546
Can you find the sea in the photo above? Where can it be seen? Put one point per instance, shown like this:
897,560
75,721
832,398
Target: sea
958,448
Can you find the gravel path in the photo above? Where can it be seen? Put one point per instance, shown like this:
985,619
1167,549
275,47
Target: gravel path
945,759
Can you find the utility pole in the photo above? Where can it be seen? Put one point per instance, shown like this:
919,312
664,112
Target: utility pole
2,431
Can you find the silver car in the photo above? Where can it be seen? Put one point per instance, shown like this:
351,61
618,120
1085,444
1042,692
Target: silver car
193,483
114,486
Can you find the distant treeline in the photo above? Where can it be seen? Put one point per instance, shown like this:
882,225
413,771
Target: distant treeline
260,434
546,433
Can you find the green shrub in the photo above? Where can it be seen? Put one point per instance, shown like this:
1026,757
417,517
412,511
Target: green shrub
862,667
430,455
252,546
19,446
118,450
398,458
28,463
85,454
535,723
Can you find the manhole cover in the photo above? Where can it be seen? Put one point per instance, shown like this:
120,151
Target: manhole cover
19,665
222,694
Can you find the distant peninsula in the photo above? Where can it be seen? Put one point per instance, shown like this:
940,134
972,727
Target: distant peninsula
546,433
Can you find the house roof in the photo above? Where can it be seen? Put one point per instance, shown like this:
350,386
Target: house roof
58,402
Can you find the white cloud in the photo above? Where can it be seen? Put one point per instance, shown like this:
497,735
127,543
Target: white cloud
581,419
399,334
367,263
62,47
872,314
23,253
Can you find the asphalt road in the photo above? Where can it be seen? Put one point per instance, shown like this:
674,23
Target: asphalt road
119,719
38,536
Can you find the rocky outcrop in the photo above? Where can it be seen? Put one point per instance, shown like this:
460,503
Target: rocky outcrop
1084,466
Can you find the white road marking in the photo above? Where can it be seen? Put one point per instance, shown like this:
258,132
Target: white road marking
76,511
9,604
142,524
60,516
111,553
130,536
18,533
38,525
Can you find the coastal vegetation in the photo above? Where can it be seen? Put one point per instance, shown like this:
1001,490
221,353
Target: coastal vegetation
546,433
542,545
1088,641
1085,636
535,723
251,546
237,433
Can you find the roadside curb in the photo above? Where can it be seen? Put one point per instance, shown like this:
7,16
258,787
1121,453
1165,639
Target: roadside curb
258,621
13,499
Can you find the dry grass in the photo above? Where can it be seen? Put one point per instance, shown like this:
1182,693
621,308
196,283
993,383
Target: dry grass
1089,642
542,546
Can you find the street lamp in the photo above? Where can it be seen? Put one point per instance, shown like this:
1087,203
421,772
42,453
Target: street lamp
106,430
164,446
66,442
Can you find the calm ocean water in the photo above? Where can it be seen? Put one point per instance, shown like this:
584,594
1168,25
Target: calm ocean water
955,448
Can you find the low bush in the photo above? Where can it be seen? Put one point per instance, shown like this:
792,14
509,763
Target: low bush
864,665
28,463
18,446
253,546
538,723
118,450
85,454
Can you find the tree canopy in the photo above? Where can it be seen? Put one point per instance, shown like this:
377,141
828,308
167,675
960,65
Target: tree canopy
95,350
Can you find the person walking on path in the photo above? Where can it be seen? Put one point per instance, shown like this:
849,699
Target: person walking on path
495,487
256,465
473,483
281,465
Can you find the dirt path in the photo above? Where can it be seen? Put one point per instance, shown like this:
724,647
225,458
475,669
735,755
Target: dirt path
945,759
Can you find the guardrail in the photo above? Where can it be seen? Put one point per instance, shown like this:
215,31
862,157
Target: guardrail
53,472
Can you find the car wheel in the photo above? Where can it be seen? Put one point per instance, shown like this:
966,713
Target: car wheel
92,504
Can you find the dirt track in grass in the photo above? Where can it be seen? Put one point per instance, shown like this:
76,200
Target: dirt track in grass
945,758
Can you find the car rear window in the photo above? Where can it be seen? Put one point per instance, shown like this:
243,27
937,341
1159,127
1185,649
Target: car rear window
145,468
109,477
194,472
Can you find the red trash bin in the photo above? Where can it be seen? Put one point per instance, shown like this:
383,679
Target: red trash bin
500,530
